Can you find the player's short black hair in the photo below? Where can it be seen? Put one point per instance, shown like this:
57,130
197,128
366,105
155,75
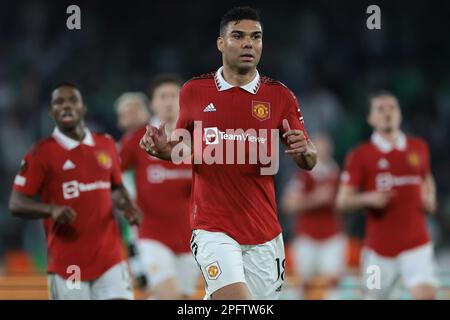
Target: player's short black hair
377,94
161,79
65,84
237,14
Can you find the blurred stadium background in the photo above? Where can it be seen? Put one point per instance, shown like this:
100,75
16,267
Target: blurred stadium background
322,50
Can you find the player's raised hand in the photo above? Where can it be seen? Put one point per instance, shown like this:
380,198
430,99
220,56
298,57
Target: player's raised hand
295,139
154,140
63,214
134,216
378,199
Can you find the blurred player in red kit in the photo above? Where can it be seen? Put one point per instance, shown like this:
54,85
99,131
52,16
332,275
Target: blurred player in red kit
163,194
319,247
76,174
390,177
132,113
236,238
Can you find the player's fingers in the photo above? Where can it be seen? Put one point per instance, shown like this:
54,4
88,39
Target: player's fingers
149,142
142,144
154,131
296,145
286,126
162,127
293,133
296,138
296,150
131,217
69,215
134,221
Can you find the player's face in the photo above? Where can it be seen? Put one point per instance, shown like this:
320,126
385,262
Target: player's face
67,107
165,103
385,115
241,45
131,115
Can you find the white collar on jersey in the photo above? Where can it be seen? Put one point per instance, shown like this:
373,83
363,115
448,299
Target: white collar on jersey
69,143
251,87
385,146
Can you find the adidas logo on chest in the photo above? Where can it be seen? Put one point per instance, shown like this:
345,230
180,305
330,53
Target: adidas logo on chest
210,108
68,165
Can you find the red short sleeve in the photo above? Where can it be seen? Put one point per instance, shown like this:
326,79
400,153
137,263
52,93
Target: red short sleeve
184,120
31,175
293,114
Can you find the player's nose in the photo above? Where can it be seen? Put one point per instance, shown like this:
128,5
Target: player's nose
247,43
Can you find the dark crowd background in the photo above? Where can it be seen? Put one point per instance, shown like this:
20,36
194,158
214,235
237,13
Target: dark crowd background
322,50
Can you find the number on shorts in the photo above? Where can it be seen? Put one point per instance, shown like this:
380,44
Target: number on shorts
282,265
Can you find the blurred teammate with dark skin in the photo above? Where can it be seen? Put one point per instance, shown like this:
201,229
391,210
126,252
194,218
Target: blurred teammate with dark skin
76,174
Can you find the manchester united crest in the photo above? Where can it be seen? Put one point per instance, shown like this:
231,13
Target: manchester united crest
104,160
261,110
413,159
213,270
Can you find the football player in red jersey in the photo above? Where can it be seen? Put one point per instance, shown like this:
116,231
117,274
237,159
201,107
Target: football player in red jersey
319,247
76,174
390,177
236,238
132,113
163,195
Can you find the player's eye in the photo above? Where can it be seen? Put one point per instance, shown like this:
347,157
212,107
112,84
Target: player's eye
73,99
257,36
236,36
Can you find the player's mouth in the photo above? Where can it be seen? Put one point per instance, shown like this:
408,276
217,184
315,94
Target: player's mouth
247,57
67,116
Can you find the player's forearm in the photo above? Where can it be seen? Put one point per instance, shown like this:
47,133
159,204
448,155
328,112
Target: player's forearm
299,204
351,202
308,159
310,203
28,208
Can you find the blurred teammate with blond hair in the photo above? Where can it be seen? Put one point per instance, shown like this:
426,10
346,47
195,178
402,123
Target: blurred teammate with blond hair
163,194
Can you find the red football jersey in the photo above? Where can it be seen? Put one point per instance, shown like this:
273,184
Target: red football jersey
323,222
63,171
231,196
377,165
163,194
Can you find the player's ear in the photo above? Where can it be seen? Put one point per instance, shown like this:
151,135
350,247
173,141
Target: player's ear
220,43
